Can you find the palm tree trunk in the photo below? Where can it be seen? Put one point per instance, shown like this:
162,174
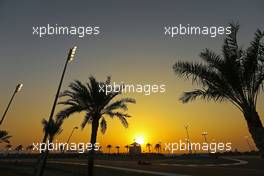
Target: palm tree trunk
43,160
256,129
42,163
40,158
95,125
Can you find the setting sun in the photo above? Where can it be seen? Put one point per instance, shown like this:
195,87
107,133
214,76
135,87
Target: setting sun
140,140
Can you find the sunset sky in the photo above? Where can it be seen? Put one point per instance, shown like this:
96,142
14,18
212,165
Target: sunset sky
131,48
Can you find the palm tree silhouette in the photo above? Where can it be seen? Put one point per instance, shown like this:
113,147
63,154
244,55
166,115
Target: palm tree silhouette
30,148
118,148
109,146
4,137
19,148
148,145
8,147
97,105
52,129
100,149
127,148
157,147
236,76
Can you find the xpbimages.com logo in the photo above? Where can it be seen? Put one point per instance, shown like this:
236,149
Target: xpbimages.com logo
185,30
212,147
60,146
79,31
145,89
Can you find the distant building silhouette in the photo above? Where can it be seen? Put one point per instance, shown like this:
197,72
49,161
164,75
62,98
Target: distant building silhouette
134,149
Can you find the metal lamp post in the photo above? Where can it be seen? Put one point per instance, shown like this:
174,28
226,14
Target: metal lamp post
17,89
74,128
205,139
188,138
70,57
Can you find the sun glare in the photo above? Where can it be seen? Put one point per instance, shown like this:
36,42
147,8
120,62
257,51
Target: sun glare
140,140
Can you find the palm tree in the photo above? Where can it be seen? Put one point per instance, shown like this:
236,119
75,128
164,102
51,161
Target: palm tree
97,105
30,148
148,145
235,76
127,148
100,149
19,148
52,129
4,137
157,147
109,146
8,147
117,148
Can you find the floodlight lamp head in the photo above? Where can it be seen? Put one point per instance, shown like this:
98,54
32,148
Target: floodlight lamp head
19,87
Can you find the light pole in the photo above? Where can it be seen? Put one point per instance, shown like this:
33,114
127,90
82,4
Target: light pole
188,138
74,128
70,58
42,160
249,146
205,139
17,89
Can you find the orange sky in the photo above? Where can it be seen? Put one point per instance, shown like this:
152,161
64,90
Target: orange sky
158,117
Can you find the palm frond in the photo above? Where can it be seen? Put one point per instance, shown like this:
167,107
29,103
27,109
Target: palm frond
4,137
103,125
52,127
65,113
236,76
87,119
95,103
212,59
203,94
199,73
120,104
121,116
230,47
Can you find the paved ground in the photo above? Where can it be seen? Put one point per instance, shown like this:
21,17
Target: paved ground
70,167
